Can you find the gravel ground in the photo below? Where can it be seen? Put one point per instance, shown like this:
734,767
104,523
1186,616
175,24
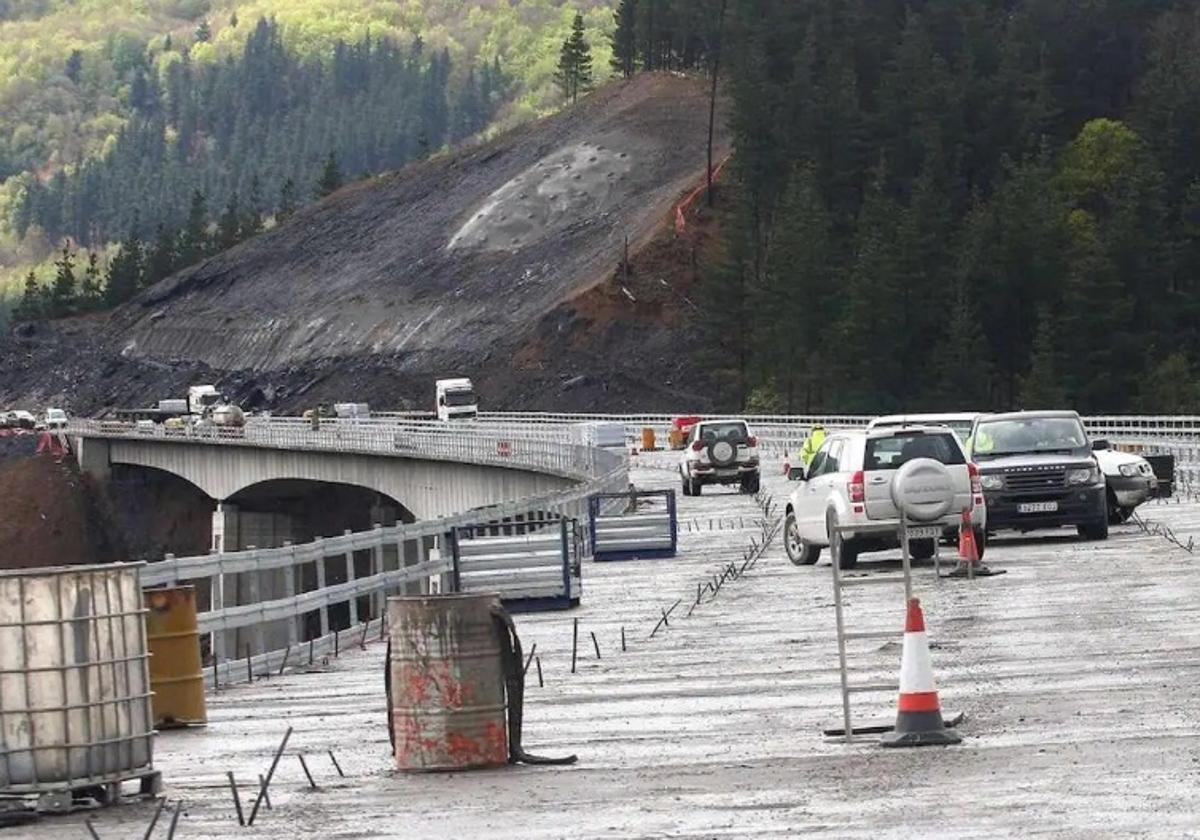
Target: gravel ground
1076,671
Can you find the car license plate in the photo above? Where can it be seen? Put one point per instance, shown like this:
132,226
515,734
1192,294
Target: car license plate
928,532
1037,507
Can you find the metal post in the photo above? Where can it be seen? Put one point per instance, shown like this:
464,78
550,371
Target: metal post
836,560
320,586
289,591
353,601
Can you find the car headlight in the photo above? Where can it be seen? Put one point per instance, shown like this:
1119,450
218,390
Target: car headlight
992,482
1083,475
1129,470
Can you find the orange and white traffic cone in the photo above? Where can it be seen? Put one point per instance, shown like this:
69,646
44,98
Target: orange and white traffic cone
919,717
967,549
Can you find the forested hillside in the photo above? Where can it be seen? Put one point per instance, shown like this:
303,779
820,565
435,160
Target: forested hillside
115,114
975,203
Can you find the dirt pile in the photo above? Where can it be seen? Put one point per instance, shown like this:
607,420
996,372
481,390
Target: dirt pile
49,513
455,266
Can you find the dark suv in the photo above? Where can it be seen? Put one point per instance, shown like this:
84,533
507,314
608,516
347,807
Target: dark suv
1037,471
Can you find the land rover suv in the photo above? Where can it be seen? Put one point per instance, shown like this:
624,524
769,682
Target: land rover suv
1037,470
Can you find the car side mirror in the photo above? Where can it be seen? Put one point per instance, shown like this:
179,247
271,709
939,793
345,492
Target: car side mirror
1100,445
796,473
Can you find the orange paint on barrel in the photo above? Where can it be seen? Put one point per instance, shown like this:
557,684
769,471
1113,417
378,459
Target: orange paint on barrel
449,710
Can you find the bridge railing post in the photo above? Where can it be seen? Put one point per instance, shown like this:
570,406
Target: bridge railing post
352,602
321,585
289,591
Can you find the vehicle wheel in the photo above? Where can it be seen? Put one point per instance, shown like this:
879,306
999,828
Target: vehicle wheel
798,551
841,550
750,483
921,549
847,553
687,487
1094,531
696,486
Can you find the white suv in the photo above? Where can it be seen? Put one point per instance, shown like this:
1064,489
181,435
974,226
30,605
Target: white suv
719,452
850,481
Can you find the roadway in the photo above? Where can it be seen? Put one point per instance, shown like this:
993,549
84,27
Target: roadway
1076,670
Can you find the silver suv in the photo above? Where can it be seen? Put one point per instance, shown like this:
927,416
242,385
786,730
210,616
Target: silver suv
850,481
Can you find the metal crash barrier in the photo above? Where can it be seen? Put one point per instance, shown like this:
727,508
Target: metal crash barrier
644,527
534,565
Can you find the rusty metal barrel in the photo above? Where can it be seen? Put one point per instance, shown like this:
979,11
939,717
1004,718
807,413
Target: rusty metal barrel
446,683
176,672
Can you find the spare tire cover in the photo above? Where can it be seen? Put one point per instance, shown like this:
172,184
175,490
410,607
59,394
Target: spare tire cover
722,453
923,490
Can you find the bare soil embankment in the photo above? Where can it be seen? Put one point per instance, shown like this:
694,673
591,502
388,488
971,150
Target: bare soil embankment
481,262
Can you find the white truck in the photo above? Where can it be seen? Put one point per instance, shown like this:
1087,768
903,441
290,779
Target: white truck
456,400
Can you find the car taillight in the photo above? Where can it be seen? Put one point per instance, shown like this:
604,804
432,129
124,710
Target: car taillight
857,487
752,441
976,485
698,446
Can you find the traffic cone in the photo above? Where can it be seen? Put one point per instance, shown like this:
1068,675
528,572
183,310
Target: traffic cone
967,549
919,717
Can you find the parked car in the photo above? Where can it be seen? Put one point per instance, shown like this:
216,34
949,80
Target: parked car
1130,481
960,422
22,419
850,482
1038,470
719,452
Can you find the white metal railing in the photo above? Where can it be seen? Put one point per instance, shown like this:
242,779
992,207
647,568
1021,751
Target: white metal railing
503,445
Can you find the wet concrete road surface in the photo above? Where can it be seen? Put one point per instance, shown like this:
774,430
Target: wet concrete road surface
1078,671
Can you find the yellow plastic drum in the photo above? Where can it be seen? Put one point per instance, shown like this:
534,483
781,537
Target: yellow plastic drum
176,675
647,439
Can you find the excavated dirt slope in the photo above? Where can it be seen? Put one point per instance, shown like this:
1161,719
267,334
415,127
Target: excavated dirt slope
498,262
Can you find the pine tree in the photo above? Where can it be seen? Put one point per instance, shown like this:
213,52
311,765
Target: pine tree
63,292
203,32
252,219
74,67
193,239
287,201
229,225
331,177
163,258
91,289
32,305
125,271
624,38
233,20
1042,387
574,73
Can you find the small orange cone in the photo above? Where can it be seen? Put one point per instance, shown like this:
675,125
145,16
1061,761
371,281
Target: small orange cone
919,717
967,549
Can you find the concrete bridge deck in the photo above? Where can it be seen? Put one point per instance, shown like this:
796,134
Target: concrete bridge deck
1077,671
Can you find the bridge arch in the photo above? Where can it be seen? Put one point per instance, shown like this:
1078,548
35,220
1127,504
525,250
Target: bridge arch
426,489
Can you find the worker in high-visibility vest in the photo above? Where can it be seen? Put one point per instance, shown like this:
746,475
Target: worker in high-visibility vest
815,438
981,441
